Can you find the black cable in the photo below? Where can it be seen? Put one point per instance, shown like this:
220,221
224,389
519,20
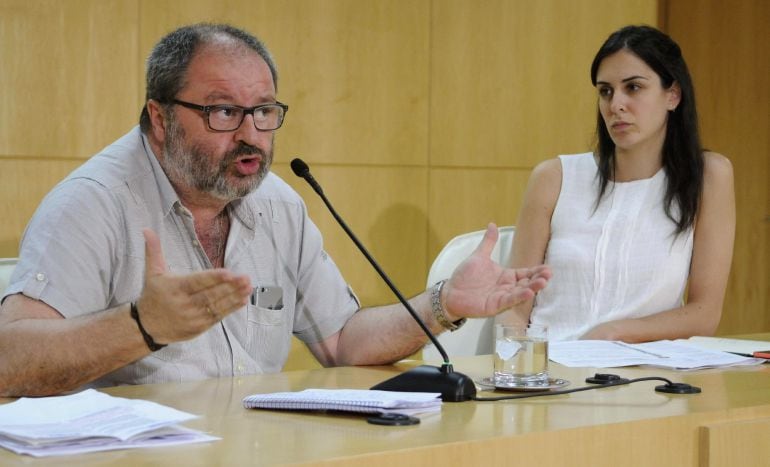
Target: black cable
619,382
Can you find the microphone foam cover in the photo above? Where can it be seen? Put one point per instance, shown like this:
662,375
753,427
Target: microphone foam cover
299,167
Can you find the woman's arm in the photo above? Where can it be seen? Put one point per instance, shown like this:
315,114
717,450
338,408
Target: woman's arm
533,228
711,258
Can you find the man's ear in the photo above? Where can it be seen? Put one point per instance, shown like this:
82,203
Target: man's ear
674,96
157,120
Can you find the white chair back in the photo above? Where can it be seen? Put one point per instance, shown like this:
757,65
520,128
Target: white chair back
6,268
475,337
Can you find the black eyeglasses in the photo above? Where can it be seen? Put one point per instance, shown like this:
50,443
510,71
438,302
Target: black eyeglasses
226,117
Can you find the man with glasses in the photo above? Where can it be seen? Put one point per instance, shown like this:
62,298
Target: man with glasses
175,254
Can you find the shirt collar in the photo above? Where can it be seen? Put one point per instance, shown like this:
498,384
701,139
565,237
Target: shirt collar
169,198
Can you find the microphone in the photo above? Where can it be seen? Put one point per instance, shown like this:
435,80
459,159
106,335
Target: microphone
453,386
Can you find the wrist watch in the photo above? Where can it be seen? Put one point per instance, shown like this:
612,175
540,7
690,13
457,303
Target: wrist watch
438,309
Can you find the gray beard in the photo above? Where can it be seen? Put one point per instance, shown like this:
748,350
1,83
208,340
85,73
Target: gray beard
191,166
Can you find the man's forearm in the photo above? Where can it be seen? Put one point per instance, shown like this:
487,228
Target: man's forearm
48,356
385,334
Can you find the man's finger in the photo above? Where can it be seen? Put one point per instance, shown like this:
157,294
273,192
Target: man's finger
230,302
540,272
154,262
488,242
202,280
518,296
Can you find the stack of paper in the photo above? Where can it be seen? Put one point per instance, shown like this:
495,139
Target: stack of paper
351,400
742,347
665,354
90,421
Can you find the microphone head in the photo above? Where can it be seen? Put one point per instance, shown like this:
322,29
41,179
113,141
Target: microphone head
299,168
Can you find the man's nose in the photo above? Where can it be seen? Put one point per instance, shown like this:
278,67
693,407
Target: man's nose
248,132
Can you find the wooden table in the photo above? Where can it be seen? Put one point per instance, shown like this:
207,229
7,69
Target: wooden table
727,424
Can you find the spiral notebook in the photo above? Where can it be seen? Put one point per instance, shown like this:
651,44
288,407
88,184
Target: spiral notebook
348,400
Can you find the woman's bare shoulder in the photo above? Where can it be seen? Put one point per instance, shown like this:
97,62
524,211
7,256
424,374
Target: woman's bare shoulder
717,167
548,170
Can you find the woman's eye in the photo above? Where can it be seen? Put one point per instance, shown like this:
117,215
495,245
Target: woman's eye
605,92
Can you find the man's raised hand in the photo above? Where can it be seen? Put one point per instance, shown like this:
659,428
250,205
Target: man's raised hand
179,307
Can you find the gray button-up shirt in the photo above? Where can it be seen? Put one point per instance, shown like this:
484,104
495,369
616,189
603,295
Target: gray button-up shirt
83,252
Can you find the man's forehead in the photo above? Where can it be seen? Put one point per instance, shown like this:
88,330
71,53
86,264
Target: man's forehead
235,53
219,64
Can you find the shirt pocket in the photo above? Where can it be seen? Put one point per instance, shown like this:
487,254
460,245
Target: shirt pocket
265,316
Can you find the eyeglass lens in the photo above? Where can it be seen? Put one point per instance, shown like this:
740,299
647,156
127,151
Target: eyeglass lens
227,118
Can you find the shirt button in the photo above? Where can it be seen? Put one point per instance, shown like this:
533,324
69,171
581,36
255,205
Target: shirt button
40,276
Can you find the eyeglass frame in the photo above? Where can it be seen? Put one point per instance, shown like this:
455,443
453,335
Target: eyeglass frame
206,109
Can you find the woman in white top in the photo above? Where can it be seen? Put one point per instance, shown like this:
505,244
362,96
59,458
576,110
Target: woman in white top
648,215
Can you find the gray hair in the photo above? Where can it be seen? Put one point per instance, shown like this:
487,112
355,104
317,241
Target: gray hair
169,59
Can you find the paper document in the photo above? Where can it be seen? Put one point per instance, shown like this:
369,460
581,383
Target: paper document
350,400
677,355
737,346
90,421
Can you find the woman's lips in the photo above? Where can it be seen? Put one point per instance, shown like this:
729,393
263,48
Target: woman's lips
620,126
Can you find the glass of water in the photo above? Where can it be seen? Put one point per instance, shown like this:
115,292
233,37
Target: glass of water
521,355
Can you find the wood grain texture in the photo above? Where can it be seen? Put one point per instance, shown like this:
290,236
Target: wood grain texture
730,443
467,199
510,82
725,45
68,76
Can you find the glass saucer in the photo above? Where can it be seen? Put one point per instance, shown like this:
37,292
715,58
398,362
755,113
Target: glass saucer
553,383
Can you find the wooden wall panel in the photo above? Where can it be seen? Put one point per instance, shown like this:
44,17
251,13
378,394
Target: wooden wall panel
456,196
725,45
732,443
67,78
510,80
354,73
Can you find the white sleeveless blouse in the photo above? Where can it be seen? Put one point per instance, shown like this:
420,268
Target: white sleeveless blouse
622,260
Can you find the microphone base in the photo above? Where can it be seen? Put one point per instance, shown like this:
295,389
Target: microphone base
454,387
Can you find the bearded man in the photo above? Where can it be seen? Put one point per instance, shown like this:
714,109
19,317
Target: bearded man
175,254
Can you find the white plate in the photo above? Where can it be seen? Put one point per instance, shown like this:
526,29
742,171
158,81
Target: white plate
553,383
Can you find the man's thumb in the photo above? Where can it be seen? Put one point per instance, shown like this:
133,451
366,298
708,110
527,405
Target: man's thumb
488,242
154,262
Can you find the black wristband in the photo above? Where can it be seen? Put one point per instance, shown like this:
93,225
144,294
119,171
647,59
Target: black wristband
147,337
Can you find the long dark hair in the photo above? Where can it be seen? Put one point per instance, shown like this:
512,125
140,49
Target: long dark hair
682,151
